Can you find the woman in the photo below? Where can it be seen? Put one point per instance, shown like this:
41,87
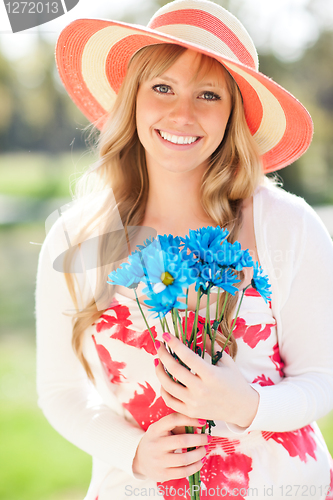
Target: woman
189,127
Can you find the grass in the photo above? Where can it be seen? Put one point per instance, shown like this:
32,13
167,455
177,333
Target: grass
36,463
39,175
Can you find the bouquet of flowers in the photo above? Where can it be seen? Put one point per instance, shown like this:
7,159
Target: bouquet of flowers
168,266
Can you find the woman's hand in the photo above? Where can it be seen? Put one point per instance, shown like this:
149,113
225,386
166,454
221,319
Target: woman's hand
212,392
155,456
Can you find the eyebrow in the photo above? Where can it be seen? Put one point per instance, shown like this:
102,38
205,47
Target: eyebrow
204,84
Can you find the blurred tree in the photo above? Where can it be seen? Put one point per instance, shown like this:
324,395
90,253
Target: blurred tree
6,100
35,112
310,79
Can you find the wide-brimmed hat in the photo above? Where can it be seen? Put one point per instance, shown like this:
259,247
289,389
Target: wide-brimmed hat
92,57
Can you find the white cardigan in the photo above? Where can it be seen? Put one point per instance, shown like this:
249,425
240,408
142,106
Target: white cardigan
295,251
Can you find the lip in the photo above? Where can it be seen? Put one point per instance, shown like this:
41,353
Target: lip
177,147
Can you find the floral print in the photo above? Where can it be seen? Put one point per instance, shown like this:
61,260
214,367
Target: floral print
126,354
298,443
252,334
111,367
276,358
145,408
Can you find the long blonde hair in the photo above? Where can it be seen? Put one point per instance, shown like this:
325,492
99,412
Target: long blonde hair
234,172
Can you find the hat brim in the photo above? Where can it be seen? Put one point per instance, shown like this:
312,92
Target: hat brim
92,57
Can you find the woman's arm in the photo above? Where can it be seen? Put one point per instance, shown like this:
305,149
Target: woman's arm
68,399
306,319
306,324
76,410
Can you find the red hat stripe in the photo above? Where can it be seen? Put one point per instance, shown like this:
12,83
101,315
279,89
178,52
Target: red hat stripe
295,140
252,105
210,23
70,67
115,66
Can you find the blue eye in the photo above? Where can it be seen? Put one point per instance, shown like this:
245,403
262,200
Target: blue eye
161,89
210,96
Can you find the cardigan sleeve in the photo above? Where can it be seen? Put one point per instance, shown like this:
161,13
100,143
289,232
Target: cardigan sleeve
305,321
68,399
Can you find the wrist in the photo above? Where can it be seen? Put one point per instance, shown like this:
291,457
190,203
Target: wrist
136,468
249,408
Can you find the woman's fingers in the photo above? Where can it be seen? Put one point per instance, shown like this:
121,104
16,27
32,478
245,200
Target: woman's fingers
171,386
166,424
157,455
185,458
226,360
181,472
182,441
194,362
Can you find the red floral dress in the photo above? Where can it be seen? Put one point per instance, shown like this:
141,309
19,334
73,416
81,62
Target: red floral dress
254,464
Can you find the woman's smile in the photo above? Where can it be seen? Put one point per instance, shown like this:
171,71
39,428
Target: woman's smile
178,142
181,117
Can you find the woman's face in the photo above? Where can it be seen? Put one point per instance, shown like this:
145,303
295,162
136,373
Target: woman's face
181,119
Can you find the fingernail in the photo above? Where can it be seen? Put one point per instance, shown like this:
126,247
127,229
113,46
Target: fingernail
166,336
206,448
209,438
202,421
157,344
156,361
203,460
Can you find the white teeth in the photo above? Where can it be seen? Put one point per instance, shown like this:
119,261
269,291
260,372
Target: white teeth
177,139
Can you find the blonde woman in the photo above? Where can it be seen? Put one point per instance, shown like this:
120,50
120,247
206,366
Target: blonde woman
189,128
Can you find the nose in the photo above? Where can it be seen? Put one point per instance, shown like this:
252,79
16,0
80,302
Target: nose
182,111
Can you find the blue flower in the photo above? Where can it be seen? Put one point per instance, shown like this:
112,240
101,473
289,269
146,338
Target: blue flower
167,273
125,276
213,275
130,273
260,282
170,244
145,244
160,304
232,255
205,242
245,260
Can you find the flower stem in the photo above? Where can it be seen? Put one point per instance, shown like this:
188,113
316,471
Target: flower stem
220,319
217,303
194,479
174,321
235,318
144,317
162,324
206,325
180,326
186,311
195,323
224,305
166,324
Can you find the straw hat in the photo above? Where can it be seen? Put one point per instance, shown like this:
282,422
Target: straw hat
92,57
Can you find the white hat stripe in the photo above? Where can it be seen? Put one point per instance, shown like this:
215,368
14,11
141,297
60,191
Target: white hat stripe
273,123
215,10
193,34
93,64
94,59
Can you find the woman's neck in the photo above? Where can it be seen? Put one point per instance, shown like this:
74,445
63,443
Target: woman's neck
173,204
